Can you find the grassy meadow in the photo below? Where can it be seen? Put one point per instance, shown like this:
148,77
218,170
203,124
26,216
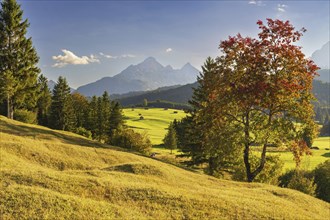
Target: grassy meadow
48,174
156,121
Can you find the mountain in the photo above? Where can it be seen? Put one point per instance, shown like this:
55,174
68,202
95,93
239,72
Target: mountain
148,75
321,57
49,174
52,83
324,75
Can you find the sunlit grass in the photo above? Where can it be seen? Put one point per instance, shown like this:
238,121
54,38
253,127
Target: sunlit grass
155,122
47,174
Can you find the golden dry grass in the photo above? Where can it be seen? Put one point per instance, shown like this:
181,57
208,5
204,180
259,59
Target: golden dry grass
47,174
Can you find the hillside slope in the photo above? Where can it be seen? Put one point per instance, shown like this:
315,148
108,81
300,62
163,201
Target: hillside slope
51,174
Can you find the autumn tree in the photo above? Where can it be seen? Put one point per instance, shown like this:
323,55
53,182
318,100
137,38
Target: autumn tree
260,95
18,59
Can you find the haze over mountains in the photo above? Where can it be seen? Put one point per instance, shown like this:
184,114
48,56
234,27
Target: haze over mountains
321,57
148,75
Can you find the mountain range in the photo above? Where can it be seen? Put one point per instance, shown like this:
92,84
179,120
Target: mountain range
148,75
321,57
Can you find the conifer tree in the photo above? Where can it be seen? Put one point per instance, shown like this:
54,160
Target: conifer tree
105,115
44,101
170,140
91,123
80,106
62,112
116,119
18,59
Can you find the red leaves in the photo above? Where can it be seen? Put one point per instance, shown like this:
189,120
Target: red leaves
299,148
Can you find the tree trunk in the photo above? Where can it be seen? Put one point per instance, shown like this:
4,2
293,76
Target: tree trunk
247,163
249,175
10,108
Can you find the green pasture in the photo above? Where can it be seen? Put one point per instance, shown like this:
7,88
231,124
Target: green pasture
308,162
155,122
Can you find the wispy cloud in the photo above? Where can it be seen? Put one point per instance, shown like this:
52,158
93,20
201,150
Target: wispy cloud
168,50
281,7
116,57
257,3
108,56
70,58
127,56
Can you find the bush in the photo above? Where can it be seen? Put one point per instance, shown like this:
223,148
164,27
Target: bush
270,173
84,132
302,183
322,179
285,178
129,139
25,116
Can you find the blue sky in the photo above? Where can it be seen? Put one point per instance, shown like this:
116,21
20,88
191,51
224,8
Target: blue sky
87,40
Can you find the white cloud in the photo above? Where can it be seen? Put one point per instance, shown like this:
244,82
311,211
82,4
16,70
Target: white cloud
258,3
70,58
281,7
168,50
108,56
116,57
127,56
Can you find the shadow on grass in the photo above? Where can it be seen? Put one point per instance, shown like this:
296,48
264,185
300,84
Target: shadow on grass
326,155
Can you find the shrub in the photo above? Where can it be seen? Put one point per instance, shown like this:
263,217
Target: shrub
322,179
84,132
270,173
301,183
25,116
285,178
129,139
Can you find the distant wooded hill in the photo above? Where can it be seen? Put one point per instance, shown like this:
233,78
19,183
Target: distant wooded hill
183,94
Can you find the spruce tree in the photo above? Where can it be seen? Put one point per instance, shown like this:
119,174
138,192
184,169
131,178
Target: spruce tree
105,115
170,140
80,106
18,59
116,119
62,112
44,101
91,123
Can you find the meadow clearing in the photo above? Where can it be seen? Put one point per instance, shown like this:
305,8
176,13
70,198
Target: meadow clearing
156,121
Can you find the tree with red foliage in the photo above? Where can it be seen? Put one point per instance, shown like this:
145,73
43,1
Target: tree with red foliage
261,89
